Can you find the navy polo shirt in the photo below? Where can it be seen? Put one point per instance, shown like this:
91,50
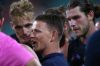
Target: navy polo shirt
55,59
93,50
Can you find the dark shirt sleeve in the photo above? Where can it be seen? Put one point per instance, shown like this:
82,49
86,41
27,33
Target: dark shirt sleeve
49,64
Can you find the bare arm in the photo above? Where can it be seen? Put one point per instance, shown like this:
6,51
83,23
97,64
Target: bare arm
33,62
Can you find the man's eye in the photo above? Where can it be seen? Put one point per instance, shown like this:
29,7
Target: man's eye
68,19
28,25
18,27
76,17
37,30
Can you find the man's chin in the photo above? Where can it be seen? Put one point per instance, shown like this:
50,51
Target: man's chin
78,34
35,48
27,43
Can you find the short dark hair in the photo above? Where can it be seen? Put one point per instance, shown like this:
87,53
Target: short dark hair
53,22
56,11
63,40
59,11
97,11
85,5
1,11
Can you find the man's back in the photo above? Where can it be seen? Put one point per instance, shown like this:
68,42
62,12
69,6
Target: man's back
55,59
13,54
76,51
93,50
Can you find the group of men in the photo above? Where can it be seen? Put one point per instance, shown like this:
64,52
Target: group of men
42,34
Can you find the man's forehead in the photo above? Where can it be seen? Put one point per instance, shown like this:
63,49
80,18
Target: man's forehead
23,22
39,25
73,11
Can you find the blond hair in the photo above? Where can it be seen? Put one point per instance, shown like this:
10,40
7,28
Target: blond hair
22,8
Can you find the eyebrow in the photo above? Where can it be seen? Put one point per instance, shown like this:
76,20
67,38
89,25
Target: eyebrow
73,17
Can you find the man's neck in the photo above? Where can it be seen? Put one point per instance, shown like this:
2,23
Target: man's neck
89,33
91,29
52,48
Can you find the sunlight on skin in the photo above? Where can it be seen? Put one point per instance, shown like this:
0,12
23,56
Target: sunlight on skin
34,25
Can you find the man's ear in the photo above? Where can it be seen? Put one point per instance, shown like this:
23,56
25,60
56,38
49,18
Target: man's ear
54,35
65,26
12,25
3,19
1,22
91,15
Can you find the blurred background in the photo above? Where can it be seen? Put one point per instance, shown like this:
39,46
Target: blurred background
40,6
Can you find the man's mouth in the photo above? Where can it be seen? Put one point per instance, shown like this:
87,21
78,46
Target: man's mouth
34,44
29,42
76,29
25,38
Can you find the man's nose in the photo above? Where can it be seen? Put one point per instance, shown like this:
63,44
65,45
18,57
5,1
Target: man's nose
26,31
32,34
72,23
